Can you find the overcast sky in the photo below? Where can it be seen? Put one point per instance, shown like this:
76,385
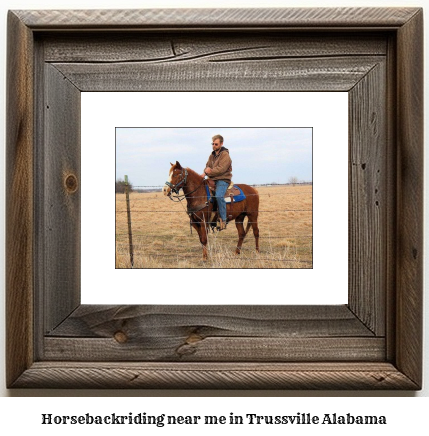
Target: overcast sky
259,155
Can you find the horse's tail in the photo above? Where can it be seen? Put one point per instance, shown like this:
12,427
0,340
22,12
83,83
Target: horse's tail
249,225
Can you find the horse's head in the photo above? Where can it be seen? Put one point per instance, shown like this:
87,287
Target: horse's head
176,179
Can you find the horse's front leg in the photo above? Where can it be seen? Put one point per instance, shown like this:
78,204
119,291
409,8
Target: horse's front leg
202,233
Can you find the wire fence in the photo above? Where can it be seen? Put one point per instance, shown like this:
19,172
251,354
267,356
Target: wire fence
151,234
256,185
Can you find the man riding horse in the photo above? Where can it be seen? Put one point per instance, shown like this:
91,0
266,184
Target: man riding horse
219,169
196,192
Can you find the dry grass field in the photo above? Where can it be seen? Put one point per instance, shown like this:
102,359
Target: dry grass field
162,237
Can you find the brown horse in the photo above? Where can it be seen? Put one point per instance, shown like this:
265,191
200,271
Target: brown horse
200,209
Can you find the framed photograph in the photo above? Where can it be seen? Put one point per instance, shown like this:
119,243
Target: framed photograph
60,166
265,193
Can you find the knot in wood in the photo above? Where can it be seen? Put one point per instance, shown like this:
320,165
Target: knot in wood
193,337
120,337
71,183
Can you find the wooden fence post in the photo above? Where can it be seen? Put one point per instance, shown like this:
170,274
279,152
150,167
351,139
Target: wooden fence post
130,233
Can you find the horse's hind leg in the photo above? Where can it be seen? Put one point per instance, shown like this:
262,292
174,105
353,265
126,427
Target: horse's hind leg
253,222
241,233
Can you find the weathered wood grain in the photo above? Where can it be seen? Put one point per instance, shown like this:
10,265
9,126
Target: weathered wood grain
325,74
39,201
213,333
301,375
185,19
217,348
391,189
225,47
135,322
368,203
61,186
409,278
19,200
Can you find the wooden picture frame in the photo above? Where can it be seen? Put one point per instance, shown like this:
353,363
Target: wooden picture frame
373,342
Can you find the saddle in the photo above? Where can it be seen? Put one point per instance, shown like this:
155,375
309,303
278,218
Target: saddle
233,193
230,192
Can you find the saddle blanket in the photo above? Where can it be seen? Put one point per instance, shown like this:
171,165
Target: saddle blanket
237,197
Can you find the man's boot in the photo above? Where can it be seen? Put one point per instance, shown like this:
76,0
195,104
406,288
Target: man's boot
221,224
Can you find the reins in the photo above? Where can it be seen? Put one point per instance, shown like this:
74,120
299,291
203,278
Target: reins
177,187
182,197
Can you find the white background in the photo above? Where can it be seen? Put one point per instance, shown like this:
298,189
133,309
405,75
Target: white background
103,284
405,414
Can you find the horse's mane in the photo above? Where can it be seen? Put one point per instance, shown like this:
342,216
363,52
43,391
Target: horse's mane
194,173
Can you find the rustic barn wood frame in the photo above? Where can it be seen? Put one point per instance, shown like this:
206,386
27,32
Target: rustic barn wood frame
373,342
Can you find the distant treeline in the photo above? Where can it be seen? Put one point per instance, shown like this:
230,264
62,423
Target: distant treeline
120,186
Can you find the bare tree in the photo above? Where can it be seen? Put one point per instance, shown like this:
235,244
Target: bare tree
293,180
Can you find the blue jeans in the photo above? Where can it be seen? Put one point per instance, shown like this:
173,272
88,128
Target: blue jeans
221,187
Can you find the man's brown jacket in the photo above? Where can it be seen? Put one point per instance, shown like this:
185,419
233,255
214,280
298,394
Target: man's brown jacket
221,165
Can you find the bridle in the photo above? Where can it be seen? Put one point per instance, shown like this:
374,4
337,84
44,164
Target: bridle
178,186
